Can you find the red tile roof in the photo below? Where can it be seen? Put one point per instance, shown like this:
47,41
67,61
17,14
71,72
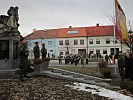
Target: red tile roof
64,32
39,34
100,31
75,32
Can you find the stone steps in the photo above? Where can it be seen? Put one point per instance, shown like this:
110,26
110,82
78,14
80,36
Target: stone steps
64,74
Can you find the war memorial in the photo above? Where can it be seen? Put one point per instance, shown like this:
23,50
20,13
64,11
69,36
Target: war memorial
9,40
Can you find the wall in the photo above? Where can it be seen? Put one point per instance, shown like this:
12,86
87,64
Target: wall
51,49
55,48
102,44
73,49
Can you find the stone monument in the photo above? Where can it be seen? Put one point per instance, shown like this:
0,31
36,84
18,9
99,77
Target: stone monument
9,40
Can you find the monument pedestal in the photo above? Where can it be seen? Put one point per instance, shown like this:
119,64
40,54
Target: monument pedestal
9,40
8,56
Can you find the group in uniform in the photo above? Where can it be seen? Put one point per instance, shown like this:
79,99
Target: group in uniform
125,65
125,61
74,59
25,65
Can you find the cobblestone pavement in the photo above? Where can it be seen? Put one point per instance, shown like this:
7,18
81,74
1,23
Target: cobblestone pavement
42,88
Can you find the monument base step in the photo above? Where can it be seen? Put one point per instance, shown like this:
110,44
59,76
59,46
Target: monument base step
11,72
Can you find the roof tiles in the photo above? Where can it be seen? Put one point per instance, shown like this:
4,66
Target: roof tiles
99,31
72,32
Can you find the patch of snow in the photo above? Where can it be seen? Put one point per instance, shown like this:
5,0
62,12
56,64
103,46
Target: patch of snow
100,91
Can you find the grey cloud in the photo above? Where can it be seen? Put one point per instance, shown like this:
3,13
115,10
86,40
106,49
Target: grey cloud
62,13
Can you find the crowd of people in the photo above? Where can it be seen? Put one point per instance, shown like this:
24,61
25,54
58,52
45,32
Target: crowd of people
125,65
73,59
125,60
25,65
110,59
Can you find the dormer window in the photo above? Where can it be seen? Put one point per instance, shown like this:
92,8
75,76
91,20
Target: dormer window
72,32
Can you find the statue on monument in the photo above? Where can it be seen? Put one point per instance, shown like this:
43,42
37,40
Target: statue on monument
9,22
13,17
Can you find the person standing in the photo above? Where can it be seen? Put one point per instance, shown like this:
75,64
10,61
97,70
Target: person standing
128,67
43,51
48,55
23,58
106,58
82,61
87,60
36,51
60,60
121,65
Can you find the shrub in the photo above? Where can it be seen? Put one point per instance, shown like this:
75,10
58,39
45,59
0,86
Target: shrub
128,85
103,69
102,64
105,72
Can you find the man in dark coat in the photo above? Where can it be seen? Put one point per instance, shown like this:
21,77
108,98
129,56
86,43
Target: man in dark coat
87,60
23,58
129,67
121,64
107,58
36,51
43,51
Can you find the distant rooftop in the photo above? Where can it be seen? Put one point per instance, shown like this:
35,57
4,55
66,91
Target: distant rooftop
71,32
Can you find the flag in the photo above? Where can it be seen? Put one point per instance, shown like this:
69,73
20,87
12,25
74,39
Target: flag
121,28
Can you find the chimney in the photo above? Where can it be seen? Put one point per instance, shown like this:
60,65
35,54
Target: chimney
70,26
34,29
97,24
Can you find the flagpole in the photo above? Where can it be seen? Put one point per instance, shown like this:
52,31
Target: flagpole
114,27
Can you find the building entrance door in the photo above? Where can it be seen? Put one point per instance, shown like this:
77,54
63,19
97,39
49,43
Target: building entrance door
112,51
81,51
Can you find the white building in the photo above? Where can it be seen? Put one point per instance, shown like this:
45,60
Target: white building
90,40
93,41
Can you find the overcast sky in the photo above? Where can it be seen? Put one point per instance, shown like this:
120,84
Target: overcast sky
51,14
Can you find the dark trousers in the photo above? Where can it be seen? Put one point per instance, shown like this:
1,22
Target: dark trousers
43,56
23,66
121,72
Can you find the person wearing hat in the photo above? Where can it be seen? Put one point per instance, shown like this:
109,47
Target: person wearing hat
23,58
36,51
43,51
121,64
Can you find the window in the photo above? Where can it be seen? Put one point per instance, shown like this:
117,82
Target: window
81,42
72,32
97,41
61,53
66,42
97,51
90,41
75,42
49,42
91,51
115,41
61,42
104,51
108,41
51,50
